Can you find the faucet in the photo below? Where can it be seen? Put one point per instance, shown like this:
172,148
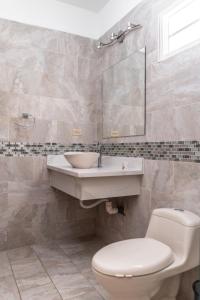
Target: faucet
100,150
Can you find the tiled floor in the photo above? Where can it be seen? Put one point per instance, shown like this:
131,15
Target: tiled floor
55,271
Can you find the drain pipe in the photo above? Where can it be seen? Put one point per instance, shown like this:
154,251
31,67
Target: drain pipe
108,206
110,209
92,205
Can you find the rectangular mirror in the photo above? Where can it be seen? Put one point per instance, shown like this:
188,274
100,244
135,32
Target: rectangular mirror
124,90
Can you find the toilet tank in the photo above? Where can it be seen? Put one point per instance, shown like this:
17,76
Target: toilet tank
180,230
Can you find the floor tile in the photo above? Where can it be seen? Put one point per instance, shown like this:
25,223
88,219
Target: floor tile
24,253
5,268
8,289
88,274
82,260
77,246
29,275
53,271
72,285
54,260
50,252
61,268
102,292
45,292
64,274
73,247
93,295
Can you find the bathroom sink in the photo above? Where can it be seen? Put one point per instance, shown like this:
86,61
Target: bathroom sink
82,160
118,177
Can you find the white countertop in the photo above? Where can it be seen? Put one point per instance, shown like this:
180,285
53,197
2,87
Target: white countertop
112,166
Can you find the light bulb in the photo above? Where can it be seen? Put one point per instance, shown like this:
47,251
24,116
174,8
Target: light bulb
129,26
113,36
99,45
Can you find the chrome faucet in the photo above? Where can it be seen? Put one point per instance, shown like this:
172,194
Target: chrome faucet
100,150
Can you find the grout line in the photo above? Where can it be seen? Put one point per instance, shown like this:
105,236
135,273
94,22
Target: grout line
81,272
13,274
47,272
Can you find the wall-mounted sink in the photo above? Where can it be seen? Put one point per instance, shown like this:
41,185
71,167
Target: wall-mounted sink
82,160
118,177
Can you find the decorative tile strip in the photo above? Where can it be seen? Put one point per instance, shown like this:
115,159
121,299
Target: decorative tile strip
174,151
41,149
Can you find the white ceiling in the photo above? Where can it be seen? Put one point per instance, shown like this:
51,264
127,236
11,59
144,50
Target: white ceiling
93,5
62,16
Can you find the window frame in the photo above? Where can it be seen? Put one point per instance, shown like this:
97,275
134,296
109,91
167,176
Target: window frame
164,36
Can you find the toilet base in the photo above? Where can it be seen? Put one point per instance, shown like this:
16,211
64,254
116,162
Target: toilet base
169,289
143,298
139,288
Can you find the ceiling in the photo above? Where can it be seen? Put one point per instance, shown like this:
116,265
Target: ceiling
92,5
60,15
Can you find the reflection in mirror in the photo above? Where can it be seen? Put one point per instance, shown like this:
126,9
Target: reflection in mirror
124,97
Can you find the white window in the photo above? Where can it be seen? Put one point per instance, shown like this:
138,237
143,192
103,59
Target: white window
179,27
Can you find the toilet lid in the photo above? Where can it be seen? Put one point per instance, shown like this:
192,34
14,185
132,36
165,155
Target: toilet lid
134,257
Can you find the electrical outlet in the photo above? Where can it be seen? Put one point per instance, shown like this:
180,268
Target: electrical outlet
114,133
76,132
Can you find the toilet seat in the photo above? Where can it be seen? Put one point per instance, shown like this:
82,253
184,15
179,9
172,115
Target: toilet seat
131,258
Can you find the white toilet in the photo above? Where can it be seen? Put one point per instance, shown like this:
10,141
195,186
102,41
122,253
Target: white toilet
150,268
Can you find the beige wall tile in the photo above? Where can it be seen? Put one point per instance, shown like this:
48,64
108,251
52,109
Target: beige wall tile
41,75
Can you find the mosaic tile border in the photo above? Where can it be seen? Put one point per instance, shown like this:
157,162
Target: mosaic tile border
41,149
173,151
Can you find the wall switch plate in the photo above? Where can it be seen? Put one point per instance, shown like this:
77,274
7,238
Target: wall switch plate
76,132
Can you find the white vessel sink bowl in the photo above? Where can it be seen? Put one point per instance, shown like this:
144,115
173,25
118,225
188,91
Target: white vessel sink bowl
118,177
82,160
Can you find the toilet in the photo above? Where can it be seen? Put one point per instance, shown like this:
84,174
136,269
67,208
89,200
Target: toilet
151,267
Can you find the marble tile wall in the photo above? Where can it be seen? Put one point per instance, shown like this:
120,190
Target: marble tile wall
31,210
47,74
172,114
172,104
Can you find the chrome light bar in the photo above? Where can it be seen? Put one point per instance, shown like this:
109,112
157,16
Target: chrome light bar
120,36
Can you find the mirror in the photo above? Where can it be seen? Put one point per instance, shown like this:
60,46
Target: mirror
123,90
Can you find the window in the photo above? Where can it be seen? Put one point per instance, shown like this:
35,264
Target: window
179,27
